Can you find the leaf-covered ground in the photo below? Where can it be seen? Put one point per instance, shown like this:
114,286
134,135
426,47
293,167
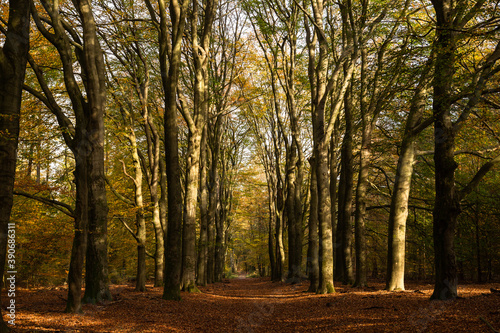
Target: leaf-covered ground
258,305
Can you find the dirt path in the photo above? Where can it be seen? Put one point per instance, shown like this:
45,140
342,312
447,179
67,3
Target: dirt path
257,305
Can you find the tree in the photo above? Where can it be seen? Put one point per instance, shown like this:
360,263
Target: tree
196,122
170,60
13,59
452,20
133,85
86,140
401,191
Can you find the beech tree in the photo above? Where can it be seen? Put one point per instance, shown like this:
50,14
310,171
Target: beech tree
170,60
130,92
452,22
85,138
13,59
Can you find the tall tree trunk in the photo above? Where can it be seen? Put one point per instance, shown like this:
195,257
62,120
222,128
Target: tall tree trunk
13,59
96,276
155,176
401,192
347,175
339,230
201,273
213,199
160,245
317,77
270,243
170,78
280,248
334,198
84,141
188,281
324,219
360,213
478,242
447,204
73,305
313,247
196,124
212,211
140,281
293,270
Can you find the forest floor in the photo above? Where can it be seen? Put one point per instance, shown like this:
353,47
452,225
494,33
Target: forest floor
259,305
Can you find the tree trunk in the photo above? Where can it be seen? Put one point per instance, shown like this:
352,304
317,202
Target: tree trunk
478,242
196,125
73,305
347,175
13,59
324,219
160,243
140,282
447,204
201,275
96,276
191,200
213,194
312,252
170,78
293,270
401,192
360,213
159,246
270,245
334,198
280,248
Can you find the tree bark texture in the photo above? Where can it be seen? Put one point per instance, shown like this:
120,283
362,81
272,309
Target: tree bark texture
313,246
96,277
170,60
13,59
399,200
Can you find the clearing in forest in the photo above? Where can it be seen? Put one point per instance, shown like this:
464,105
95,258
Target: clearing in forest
259,305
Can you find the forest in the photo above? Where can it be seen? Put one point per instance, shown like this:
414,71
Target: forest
198,156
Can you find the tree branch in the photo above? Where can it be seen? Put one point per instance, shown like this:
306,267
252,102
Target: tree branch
478,177
118,195
60,206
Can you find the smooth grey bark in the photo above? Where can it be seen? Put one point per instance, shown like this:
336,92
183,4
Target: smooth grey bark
13,59
313,246
375,93
318,80
140,221
401,192
196,122
201,268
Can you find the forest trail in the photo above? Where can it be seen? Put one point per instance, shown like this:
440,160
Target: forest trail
259,305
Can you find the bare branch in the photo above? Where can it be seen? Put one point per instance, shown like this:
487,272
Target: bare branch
60,206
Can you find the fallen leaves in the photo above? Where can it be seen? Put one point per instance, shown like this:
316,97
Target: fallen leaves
259,305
